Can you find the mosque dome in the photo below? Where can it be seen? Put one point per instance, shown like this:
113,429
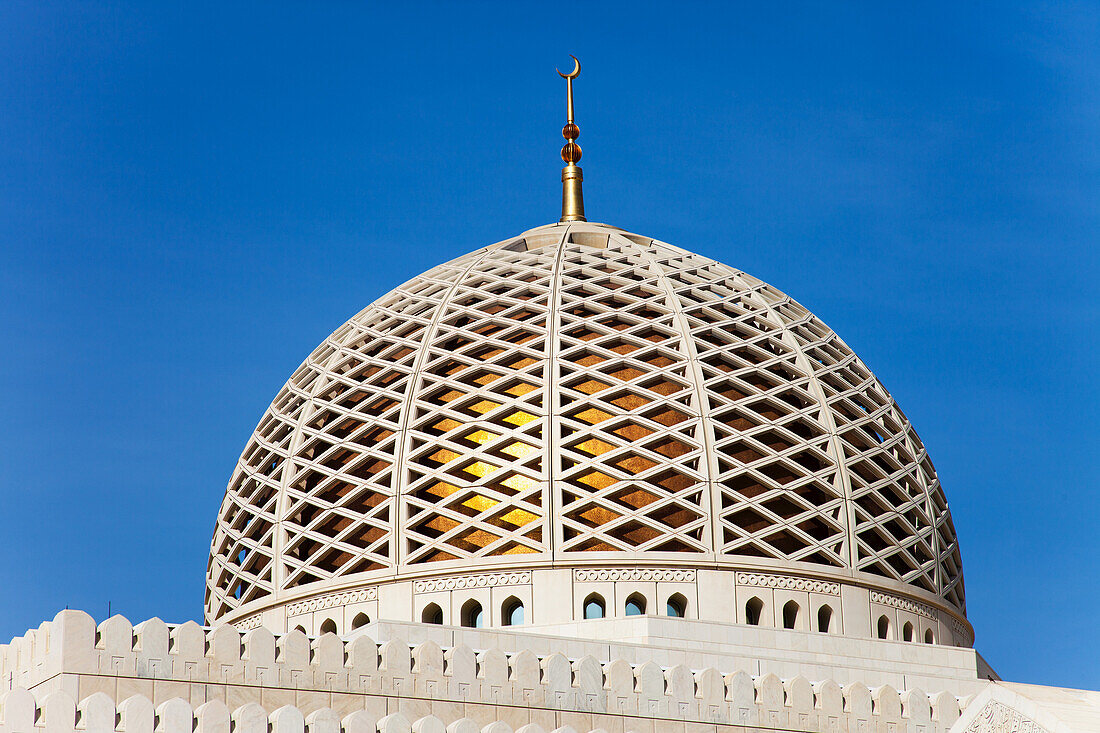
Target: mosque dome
580,412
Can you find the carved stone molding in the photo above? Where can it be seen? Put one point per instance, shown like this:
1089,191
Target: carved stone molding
333,599
249,623
962,631
904,604
635,574
997,717
788,582
461,582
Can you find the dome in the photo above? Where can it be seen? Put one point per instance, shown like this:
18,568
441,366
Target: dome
590,406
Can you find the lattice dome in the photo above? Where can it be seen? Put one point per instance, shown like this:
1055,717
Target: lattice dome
573,396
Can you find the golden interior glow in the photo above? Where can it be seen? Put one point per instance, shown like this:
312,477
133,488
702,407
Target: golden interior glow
518,517
593,415
481,469
598,480
591,386
484,406
519,550
633,432
598,515
521,389
481,437
480,503
443,455
516,482
630,401
450,395
595,446
627,373
486,379
519,450
442,489
635,464
520,418
446,425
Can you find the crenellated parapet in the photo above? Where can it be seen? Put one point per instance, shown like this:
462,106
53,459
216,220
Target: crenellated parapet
189,677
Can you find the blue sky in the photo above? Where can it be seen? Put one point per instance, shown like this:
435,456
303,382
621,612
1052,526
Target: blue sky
192,196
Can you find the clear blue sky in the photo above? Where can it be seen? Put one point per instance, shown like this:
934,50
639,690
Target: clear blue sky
192,196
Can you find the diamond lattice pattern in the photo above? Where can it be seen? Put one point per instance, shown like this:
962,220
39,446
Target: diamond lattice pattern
580,390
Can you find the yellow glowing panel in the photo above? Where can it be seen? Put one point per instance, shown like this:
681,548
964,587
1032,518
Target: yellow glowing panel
524,362
590,360
520,418
476,539
516,482
592,386
633,432
519,450
480,503
597,480
442,489
593,416
441,524
595,446
665,388
443,456
484,406
519,517
446,425
627,373
521,389
451,395
630,402
598,515
635,464
487,379
481,469
481,437
518,550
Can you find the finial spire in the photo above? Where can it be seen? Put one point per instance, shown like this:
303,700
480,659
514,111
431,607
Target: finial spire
572,200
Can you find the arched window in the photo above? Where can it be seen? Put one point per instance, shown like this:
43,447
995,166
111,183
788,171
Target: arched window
790,614
301,628
511,613
824,618
432,614
753,610
361,619
473,615
883,627
635,605
929,637
907,631
676,606
328,626
593,606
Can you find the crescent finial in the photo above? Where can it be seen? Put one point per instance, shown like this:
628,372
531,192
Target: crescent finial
576,69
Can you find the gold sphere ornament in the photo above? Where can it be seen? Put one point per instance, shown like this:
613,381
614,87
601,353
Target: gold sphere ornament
571,153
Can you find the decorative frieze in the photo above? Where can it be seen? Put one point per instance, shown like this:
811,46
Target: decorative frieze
788,582
461,582
635,574
904,604
333,599
249,623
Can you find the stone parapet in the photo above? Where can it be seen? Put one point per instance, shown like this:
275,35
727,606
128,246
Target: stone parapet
187,673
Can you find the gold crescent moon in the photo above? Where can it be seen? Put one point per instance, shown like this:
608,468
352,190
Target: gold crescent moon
576,69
